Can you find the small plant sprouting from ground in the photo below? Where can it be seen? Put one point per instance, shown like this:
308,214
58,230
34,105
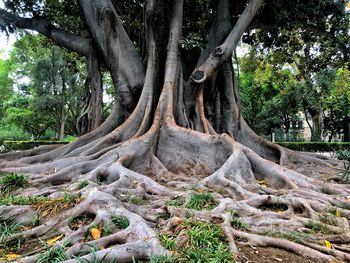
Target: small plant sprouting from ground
317,227
236,222
191,240
121,222
344,155
176,201
294,236
54,254
327,190
167,241
200,201
136,200
21,200
11,182
7,229
81,184
92,250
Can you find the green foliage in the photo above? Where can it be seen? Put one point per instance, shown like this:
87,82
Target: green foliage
54,254
11,182
236,222
200,201
317,227
315,146
205,242
25,145
7,229
81,184
136,200
267,94
167,241
92,250
327,190
9,200
294,236
176,201
120,222
345,156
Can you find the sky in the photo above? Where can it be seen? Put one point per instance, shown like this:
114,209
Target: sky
5,42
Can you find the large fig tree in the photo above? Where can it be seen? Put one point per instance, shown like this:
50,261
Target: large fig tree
176,128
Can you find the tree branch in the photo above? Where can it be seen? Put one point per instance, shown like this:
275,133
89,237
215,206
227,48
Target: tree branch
224,51
68,40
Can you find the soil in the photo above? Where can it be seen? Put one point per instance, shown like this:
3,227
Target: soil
251,254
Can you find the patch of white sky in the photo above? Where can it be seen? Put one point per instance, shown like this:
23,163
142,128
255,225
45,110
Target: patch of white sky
6,42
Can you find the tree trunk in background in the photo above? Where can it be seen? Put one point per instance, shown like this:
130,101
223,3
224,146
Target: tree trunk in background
347,129
91,116
63,102
317,127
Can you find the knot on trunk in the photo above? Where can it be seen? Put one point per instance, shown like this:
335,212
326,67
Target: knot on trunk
218,52
198,77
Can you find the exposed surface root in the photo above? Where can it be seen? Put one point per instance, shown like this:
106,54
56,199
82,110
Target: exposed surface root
253,200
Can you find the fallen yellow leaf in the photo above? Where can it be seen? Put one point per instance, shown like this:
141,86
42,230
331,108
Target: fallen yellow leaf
95,233
11,256
337,213
327,243
263,183
52,241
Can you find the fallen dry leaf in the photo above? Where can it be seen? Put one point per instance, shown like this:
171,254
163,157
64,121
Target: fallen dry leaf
95,233
327,244
338,213
52,241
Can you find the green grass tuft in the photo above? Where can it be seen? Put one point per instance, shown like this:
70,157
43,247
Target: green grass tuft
120,222
317,227
81,184
237,223
21,200
136,200
11,182
294,236
200,201
176,201
7,229
204,242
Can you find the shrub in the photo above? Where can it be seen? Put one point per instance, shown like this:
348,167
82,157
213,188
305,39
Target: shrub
316,146
25,145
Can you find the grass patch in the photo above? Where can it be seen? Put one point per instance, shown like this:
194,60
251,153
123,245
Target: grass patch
329,219
11,182
200,201
317,227
197,241
92,250
176,201
54,254
121,222
81,184
237,223
21,200
327,190
136,200
164,215
294,236
7,229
